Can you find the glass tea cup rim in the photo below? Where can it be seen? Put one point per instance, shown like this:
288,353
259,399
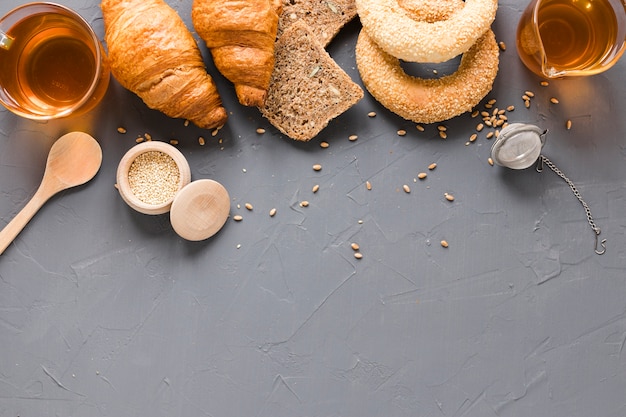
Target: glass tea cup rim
612,56
6,42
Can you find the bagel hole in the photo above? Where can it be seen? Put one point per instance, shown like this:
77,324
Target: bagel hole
431,70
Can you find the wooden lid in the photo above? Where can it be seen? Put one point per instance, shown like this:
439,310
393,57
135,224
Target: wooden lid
200,209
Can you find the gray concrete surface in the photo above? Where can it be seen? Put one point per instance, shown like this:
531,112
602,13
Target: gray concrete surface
107,312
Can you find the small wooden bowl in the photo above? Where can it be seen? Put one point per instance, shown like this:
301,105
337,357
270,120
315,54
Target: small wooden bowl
123,169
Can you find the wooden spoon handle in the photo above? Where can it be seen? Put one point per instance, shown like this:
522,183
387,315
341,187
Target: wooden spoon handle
15,226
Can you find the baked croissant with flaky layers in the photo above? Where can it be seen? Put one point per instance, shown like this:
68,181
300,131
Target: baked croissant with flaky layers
240,35
152,53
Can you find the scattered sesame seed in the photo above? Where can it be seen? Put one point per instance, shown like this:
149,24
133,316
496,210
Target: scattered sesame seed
444,244
317,167
432,166
237,217
352,138
401,132
316,188
260,131
272,212
249,206
355,246
554,100
324,144
502,46
358,255
406,188
121,130
371,114
422,175
420,128
368,185
304,203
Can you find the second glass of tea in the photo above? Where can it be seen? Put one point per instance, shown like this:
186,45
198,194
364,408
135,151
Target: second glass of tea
53,64
558,38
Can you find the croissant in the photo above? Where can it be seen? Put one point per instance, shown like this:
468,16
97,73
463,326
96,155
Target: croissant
152,53
240,35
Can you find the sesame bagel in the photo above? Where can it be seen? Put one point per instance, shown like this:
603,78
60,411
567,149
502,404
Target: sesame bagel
428,100
393,26
430,10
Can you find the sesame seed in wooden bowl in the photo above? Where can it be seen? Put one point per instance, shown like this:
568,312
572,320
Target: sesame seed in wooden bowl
150,175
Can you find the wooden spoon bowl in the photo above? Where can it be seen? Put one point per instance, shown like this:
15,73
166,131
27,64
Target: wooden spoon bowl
74,159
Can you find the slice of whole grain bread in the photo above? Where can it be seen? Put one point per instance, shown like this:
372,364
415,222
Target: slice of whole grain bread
307,88
324,17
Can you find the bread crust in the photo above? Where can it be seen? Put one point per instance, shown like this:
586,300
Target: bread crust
398,33
152,53
428,100
240,36
308,89
325,18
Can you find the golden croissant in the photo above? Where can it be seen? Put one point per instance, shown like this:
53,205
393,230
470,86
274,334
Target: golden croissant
152,53
240,35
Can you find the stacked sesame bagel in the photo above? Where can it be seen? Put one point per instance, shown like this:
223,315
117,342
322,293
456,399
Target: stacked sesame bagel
427,31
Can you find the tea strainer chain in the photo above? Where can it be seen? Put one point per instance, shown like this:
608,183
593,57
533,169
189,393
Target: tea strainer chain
519,146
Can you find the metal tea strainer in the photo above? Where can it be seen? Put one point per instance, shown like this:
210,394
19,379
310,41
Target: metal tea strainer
518,146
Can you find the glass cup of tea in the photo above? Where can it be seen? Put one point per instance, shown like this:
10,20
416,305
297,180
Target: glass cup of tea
559,38
53,64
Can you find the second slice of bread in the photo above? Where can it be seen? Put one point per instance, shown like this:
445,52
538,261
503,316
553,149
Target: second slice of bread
324,17
307,88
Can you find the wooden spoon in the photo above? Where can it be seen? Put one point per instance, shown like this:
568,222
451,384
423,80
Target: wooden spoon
74,159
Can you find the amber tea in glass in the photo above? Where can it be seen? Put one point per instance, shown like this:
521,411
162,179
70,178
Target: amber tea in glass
52,62
557,38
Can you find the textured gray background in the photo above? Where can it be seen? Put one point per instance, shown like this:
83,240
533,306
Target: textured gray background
107,312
